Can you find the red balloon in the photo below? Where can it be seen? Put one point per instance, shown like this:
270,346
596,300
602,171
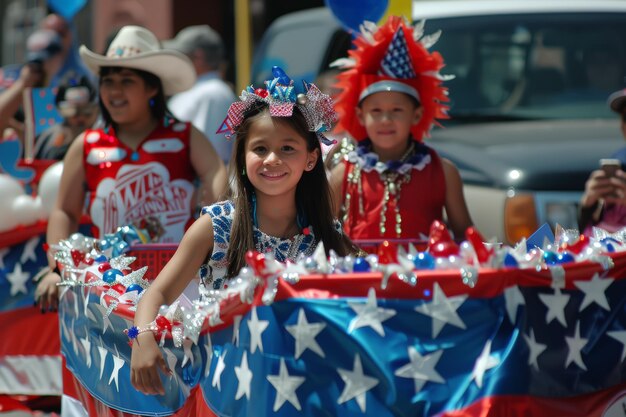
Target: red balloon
104,266
440,242
478,242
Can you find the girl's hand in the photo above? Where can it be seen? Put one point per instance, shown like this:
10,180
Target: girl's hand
598,186
145,363
47,292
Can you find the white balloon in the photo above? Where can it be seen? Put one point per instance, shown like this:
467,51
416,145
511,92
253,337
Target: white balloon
49,186
9,189
26,211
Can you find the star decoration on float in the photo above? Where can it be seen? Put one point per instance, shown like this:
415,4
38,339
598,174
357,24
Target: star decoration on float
595,291
305,333
484,362
256,327
244,377
556,306
535,349
357,384
369,314
513,298
286,386
421,368
575,345
18,280
442,310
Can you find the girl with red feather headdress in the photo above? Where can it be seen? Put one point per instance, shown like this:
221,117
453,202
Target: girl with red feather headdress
392,185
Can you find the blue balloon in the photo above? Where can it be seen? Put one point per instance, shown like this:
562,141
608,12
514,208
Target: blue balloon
120,248
104,244
101,258
424,260
110,275
565,257
510,261
351,13
134,287
361,265
551,258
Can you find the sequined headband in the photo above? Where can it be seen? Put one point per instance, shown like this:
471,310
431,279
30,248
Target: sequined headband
316,107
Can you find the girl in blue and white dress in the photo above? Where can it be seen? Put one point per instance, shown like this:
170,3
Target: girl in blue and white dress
281,203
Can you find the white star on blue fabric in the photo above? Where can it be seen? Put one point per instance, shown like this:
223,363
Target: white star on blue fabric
513,298
305,333
244,376
29,250
286,386
357,384
256,327
208,348
574,346
103,356
556,306
620,336
443,309
188,354
219,368
483,363
18,279
369,314
106,321
595,291
118,363
421,368
236,325
535,349
86,342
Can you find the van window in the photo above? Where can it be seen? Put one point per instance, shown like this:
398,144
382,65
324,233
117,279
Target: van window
532,66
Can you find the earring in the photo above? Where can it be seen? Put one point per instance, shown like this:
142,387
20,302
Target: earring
151,102
310,165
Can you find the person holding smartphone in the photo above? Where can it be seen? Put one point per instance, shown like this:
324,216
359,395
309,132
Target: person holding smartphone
603,203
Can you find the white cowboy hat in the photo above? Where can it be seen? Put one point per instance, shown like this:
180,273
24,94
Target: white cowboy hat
136,47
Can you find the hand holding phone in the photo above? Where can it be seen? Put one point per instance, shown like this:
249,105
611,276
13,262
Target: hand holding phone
610,166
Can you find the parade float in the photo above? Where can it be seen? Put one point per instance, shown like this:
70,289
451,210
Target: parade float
449,330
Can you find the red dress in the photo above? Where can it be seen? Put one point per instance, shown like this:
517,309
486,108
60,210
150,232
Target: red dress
153,183
421,202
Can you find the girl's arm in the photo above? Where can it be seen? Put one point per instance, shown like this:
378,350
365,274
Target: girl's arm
64,218
209,168
456,209
336,188
196,245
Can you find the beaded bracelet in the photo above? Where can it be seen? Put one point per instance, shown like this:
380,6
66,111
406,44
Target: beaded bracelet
135,331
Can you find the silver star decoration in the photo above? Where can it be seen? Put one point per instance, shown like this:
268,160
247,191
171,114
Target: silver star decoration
87,346
305,333
620,336
357,384
574,346
29,250
595,291
513,298
256,327
484,362
443,309
369,314
219,368
3,253
535,349
106,321
244,376
421,368
118,362
236,325
18,279
556,306
286,387
208,347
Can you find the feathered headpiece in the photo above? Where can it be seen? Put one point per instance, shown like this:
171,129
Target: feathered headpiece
393,57
279,94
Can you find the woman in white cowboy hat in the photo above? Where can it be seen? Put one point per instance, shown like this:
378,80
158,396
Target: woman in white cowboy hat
140,168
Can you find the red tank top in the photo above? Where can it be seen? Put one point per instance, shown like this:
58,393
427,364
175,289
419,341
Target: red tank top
153,183
421,202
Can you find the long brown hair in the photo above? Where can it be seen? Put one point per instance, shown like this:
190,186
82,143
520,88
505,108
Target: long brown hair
313,197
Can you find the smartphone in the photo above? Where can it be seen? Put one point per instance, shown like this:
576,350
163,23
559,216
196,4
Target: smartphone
610,166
